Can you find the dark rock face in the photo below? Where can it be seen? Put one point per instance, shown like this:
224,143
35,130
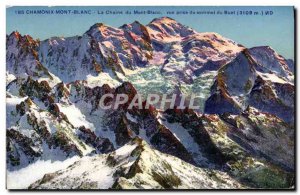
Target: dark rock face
257,132
194,126
18,143
276,99
221,103
102,145
230,82
291,65
22,56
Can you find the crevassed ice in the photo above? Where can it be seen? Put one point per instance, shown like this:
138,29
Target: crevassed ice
151,81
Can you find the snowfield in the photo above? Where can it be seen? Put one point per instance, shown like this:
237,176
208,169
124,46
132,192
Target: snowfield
21,179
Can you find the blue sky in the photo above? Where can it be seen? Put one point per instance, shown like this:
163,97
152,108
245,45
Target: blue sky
275,30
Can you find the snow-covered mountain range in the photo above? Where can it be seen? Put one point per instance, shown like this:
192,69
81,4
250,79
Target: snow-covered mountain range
241,137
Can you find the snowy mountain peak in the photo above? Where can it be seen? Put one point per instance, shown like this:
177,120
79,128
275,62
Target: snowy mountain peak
166,20
270,59
97,27
168,27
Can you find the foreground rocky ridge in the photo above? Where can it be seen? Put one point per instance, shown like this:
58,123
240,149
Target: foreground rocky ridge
244,138
134,166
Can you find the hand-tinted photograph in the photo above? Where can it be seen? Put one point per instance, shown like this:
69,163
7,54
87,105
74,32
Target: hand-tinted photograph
150,98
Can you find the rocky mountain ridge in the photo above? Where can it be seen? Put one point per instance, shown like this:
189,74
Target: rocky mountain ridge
244,134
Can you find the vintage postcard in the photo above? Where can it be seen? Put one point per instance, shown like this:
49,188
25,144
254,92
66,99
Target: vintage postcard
150,98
